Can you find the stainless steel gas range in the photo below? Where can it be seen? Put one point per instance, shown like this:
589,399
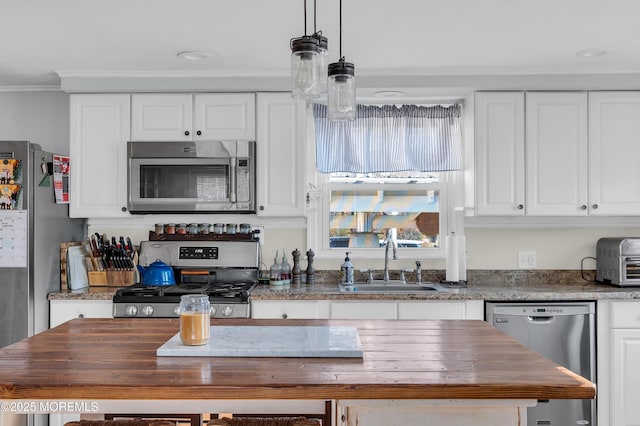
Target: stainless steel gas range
226,271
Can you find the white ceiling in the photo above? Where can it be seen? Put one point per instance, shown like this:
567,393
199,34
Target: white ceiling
42,40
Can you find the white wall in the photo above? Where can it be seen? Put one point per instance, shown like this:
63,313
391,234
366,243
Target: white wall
40,117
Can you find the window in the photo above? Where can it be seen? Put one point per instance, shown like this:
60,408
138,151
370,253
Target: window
361,212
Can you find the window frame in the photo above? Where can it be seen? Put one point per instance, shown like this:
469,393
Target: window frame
318,221
317,192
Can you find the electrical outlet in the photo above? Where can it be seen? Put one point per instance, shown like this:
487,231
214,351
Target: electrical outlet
260,234
527,259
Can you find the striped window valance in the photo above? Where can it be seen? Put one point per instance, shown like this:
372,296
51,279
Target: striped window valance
390,138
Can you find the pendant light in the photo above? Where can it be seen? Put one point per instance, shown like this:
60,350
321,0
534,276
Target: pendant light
304,70
341,87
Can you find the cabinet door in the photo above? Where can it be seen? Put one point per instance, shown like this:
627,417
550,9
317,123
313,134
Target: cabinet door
499,150
161,117
614,151
99,130
225,116
556,154
285,309
440,309
64,310
625,376
280,150
364,310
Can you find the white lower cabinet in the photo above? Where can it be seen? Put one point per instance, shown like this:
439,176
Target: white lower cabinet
624,364
430,412
408,310
367,309
64,310
289,309
441,309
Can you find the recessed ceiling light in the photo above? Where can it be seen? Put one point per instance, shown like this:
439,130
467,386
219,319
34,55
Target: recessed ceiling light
589,53
388,93
194,55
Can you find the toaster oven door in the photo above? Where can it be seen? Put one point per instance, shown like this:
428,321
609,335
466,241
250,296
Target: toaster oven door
631,270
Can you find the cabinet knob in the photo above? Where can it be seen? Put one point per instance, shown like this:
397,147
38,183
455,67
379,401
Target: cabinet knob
124,209
80,315
186,133
285,316
261,208
583,207
520,206
595,206
198,133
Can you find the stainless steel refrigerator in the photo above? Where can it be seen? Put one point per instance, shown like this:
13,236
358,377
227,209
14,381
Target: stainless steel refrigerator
32,226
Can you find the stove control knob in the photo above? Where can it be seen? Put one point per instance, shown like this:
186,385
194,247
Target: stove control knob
227,311
147,310
213,311
131,311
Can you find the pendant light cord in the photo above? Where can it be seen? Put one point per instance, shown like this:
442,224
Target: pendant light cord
305,17
340,20
314,17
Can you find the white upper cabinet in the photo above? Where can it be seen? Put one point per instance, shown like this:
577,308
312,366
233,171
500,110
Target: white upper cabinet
556,154
185,117
499,150
614,148
280,154
158,117
99,130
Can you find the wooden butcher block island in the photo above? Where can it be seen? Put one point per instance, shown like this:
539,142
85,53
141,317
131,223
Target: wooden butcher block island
410,372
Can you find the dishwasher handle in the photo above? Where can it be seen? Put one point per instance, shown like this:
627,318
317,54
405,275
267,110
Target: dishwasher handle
540,319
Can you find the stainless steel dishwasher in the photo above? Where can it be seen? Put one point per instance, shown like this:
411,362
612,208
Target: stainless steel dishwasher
563,332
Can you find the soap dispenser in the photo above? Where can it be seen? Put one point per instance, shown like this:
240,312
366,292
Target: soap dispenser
347,270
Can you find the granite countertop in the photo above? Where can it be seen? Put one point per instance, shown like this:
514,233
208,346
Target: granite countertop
482,285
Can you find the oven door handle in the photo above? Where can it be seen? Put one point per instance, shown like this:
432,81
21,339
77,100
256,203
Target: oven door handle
632,259
232,180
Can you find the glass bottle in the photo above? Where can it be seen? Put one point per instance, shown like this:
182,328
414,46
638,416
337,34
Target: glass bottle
275,272
286,269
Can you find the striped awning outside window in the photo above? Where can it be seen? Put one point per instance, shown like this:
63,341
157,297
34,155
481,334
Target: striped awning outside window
390,138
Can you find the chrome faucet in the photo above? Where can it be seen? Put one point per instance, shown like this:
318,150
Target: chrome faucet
389,240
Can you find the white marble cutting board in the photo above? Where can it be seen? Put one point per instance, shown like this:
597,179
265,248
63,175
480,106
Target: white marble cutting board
271,341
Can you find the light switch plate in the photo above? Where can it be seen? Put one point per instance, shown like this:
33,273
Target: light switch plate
527,259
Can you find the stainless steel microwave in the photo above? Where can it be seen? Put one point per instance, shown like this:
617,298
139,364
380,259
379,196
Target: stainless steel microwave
191,177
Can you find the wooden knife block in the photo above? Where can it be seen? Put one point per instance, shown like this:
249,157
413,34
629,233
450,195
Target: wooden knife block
112,278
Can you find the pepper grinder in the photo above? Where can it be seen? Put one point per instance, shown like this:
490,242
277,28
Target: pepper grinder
295,271
311,273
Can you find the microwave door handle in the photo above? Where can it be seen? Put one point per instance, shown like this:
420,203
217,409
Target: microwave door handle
232,180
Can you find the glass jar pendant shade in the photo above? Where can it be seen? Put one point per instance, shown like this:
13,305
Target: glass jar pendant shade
341,91
304,67
322,63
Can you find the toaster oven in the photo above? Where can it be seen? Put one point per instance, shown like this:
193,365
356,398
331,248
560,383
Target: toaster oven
618,261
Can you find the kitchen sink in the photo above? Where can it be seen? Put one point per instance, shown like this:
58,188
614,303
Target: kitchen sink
380,286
